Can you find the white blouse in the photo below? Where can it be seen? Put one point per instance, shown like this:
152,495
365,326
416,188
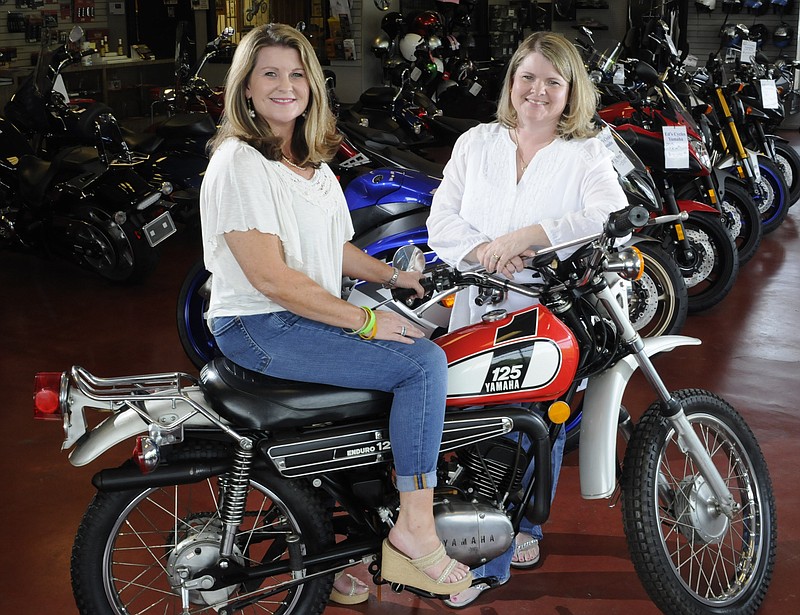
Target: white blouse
241,191
569,188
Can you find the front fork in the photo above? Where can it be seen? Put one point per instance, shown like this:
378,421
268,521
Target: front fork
671,206
671,408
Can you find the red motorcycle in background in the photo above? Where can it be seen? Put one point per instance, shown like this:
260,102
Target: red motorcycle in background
225,505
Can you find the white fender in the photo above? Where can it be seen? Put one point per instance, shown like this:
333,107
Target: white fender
729,161
603,397
127,424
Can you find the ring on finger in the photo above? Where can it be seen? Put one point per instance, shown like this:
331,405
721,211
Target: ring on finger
496,256
403,331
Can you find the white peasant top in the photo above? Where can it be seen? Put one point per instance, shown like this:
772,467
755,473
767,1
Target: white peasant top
241,191
569,188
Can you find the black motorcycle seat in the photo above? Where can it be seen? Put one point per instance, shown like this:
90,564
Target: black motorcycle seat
187,125
88,116
142,142
256,401
378,97
36,175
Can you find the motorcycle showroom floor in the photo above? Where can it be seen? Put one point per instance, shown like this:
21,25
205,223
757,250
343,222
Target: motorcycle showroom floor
53,316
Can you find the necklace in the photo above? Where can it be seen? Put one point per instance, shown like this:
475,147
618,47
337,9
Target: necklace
292,164
519,151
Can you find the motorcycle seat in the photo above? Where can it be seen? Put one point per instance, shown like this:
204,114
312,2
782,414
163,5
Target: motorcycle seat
378,97
35,175
187,125
261,402
142,142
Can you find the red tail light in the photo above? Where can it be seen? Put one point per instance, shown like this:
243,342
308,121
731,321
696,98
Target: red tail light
146,454
46,392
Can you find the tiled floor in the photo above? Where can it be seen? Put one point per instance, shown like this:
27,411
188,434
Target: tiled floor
52,316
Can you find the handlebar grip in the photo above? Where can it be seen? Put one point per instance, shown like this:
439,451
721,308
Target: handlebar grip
622,222
403,294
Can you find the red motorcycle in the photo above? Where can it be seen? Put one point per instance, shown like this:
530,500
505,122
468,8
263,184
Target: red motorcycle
227,503
702,246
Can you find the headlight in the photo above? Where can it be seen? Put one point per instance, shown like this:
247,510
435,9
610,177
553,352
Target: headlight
701,151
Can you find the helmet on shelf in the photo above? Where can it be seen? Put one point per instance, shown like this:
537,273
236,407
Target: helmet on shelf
759,34
729,35
392,24
409,44
381,45
705,5
782,35
425,23
731,6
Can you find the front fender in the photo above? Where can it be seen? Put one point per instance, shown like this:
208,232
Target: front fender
601,403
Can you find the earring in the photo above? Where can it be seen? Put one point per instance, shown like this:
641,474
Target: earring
250,110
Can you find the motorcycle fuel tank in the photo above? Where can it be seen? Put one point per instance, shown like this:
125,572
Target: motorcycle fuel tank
390,186
526,356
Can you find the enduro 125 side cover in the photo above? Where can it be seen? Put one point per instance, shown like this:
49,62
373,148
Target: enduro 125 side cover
529,355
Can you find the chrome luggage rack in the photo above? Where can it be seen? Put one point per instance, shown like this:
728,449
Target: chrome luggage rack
130,392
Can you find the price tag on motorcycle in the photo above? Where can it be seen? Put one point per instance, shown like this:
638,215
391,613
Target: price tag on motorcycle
749,50
676,147
769,94
622,164
619,75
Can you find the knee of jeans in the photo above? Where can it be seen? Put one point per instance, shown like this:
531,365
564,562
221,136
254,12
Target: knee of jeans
433,359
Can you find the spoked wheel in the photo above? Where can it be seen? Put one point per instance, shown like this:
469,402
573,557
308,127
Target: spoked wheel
112,250
772,198
193,300
690,557
659,300
134,550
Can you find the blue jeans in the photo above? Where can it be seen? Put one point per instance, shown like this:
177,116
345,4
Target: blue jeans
500,566
288,346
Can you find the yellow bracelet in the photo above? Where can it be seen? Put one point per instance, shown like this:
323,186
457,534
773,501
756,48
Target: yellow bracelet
371,335
368,315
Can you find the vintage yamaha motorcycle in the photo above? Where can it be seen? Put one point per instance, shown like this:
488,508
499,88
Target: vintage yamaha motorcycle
240,483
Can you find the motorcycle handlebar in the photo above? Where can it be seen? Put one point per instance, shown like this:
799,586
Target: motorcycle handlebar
621,223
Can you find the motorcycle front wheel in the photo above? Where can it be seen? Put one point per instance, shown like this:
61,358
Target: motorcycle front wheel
133,549
772,197
659,300
788,161
711,267
689,556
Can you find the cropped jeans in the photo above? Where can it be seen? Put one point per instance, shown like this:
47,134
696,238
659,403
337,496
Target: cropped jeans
500,566
288,346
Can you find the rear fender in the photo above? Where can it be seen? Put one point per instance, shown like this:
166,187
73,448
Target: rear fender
128,423
603,398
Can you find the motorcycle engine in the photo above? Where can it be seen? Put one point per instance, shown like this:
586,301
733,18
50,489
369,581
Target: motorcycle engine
472,532
473,529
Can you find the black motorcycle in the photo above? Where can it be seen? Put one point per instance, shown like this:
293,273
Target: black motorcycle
86,203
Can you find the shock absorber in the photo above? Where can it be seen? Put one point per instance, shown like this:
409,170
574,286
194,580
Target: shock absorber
236,482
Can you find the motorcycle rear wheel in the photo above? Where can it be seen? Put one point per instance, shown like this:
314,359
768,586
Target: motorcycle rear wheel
690,558
132,544
112,250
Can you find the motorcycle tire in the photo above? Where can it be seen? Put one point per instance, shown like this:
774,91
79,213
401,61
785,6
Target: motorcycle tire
711,271
193,299
115,251
740,215
772,199
132,544
659,300
690,558
788,161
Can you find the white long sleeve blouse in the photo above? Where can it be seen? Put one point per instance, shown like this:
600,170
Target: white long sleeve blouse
569,188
